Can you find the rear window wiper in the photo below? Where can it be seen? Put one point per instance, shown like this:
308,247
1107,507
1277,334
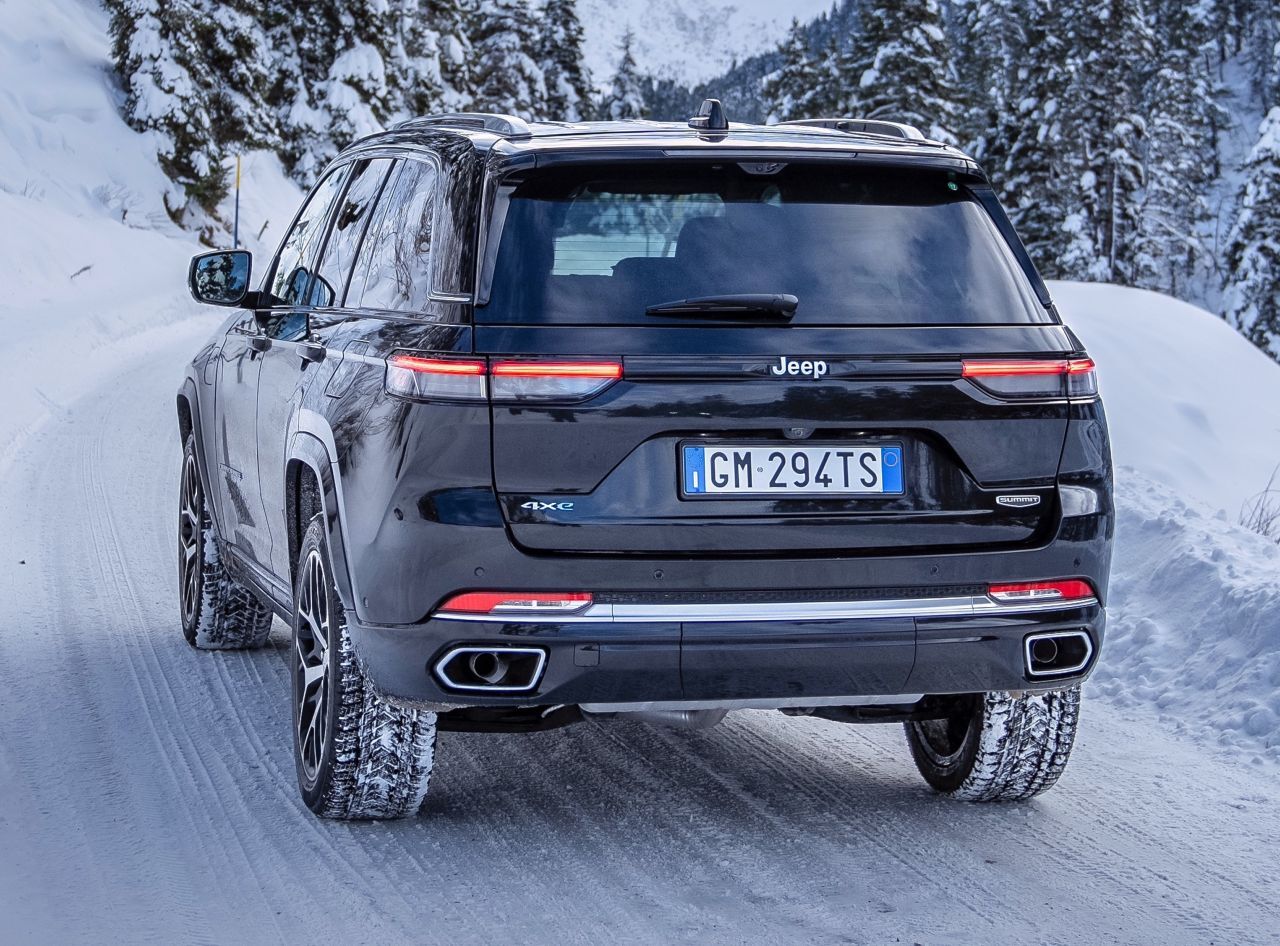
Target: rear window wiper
732,305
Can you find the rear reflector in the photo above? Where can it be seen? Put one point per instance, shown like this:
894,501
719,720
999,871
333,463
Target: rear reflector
420,377
517,602
1053,378
1070,589
552,380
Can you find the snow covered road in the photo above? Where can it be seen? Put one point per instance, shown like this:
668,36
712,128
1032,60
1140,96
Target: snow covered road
148,789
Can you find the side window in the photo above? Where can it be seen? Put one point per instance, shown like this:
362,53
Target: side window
291,283
353,213
394,267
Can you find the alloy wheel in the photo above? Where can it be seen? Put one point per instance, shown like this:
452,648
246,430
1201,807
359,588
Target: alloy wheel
190,523
311,641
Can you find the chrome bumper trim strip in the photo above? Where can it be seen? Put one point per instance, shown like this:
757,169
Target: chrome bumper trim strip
737,612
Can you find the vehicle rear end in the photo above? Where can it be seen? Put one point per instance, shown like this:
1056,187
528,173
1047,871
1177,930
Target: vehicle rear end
797,431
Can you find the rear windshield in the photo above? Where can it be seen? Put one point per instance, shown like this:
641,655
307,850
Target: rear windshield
855,245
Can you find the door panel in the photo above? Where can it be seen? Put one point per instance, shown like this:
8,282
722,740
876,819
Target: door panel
303,334
235,469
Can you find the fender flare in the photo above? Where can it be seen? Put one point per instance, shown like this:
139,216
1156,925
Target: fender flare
308,446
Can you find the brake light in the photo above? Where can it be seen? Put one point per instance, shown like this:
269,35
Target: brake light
552,380
1070,589
418,376
428,377
1041,378
516,602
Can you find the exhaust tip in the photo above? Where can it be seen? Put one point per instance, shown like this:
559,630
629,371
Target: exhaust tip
493,669
1057,653
488,666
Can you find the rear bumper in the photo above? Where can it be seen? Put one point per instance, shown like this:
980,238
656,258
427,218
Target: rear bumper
926,651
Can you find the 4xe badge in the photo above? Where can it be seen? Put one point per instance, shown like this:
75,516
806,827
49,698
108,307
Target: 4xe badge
534,506
810,369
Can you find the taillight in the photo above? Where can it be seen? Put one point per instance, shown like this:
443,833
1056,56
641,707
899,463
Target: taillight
428,377
1041,378
552,380
516,602
422,377
1070,589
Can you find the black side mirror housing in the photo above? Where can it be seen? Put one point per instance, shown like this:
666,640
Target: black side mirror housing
221,277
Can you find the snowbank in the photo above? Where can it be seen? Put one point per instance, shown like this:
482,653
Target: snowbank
1192,404
1194,613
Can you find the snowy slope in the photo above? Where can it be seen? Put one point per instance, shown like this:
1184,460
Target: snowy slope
689,40
1192,404
92,257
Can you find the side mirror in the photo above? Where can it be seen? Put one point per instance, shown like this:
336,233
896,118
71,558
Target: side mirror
221,277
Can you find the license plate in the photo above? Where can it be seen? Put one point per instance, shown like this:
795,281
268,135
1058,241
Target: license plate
727,469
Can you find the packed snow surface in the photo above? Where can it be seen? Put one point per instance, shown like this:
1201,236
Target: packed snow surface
148,790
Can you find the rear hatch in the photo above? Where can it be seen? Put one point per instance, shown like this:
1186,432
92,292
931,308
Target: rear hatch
653,393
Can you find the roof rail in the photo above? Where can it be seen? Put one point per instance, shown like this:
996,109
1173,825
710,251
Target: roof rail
508,126
864,126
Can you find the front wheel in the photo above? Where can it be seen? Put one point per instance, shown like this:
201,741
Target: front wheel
218,612
358,755
998,746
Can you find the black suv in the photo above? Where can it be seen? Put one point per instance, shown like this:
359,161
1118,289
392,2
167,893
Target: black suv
531,424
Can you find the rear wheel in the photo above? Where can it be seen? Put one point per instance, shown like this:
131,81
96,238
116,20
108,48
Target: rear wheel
358,755
218,612
996,746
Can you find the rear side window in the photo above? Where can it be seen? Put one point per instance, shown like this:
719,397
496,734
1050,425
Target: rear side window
856,245
393,270
291,283
349,225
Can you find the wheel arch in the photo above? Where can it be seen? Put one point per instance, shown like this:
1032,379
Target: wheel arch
312,486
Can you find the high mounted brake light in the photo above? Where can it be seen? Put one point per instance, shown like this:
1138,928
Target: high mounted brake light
516,602
427,377
1041,379
1069,589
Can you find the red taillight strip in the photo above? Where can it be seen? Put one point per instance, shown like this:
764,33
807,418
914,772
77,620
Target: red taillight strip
1069,589
508,602
989,369
557,369
437,365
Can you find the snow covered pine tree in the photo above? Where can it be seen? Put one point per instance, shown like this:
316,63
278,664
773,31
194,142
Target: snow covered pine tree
625,98
191,78
1181,156
1253,252
1103,136
901,70
560,56
505,69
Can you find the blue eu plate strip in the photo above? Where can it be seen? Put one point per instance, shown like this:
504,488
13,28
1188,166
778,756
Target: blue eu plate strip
695,478
891,469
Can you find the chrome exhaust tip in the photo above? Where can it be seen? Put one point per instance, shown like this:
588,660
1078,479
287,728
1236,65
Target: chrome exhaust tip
493,669
1057,653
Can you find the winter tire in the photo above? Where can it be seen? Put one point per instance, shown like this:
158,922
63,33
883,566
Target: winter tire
218,613
999,747
358,756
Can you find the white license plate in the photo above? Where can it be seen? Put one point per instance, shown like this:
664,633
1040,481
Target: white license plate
727,469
